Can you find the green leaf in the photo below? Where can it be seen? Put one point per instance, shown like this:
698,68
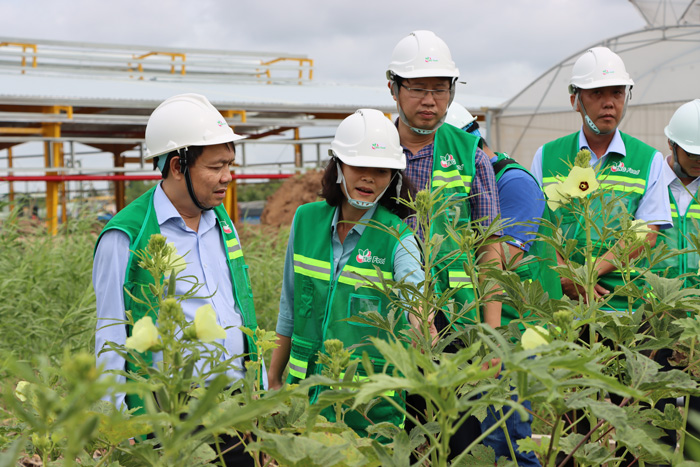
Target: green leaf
479,456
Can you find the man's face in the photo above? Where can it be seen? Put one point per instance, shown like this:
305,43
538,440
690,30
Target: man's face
689,163
603,105
211,174
424,110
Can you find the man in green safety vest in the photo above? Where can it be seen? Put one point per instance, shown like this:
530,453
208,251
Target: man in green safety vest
600,88
422,77
193,146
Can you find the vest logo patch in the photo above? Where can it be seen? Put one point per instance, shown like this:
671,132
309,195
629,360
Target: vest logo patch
227,229
365,256
447,160
620,167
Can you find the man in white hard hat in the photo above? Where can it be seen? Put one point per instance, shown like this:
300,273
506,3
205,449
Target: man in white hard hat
193,146
600,88
422,78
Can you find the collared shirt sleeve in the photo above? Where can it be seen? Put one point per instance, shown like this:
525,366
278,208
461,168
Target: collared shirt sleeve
407,262
108,272
285,317
536,166
655,206
484,202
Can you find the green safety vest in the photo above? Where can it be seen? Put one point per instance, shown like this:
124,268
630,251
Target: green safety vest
677,238
453,171
541,256
139,221
626,178
322,304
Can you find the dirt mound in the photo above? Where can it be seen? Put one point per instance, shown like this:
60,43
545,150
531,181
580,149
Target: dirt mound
295,191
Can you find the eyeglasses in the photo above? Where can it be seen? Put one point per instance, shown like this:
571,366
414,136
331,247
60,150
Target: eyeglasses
419,93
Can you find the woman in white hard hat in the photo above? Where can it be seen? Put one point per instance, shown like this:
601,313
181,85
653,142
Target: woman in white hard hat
332,252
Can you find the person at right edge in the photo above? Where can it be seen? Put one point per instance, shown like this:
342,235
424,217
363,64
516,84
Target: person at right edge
682,176
422,78
600,89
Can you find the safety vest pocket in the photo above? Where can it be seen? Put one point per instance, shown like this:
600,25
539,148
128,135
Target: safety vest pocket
358,304
301,356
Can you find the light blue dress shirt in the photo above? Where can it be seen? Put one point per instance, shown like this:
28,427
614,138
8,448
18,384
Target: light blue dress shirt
407,265
654,207
205,255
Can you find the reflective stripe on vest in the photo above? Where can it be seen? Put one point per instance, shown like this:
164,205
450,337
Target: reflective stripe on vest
312,267
615,182
297,368
233,248
459,278
362,276
625,184
451,179
359,378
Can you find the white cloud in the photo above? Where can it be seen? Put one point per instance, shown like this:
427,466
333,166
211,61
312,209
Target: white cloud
499,45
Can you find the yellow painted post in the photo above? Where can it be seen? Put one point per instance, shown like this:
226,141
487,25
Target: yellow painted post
231,200
52,159
119,186
12,190
298,160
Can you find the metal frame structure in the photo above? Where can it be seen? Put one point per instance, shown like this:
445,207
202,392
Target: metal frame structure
100,95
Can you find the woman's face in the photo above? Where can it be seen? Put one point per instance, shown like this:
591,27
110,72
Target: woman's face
365,183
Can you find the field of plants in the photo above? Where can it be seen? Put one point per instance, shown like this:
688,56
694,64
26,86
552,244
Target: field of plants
51,407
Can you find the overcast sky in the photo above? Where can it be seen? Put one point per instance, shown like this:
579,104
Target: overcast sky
499,45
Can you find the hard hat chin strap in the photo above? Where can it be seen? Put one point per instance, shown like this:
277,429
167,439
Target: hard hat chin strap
185,170
395,90
365,205
677,169
588,120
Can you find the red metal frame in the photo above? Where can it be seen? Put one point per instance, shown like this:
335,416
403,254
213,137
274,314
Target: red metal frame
108,178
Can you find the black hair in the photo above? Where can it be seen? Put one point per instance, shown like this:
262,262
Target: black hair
192,153
334,195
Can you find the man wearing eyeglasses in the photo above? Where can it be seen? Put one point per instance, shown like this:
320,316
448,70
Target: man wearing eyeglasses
422,79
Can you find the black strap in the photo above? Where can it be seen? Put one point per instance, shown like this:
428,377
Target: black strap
501,164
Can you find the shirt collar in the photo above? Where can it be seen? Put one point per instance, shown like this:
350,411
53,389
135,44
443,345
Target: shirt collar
165,210
359,228
616,146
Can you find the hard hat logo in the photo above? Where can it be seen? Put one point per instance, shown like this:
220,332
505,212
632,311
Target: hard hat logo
377,146
220,123
430,59
608,72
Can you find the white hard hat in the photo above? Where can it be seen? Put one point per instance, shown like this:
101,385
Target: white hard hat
368,138
597,68
684,127
459,116
186,120
422,54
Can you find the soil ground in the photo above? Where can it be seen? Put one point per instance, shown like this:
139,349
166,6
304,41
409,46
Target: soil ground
295,191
